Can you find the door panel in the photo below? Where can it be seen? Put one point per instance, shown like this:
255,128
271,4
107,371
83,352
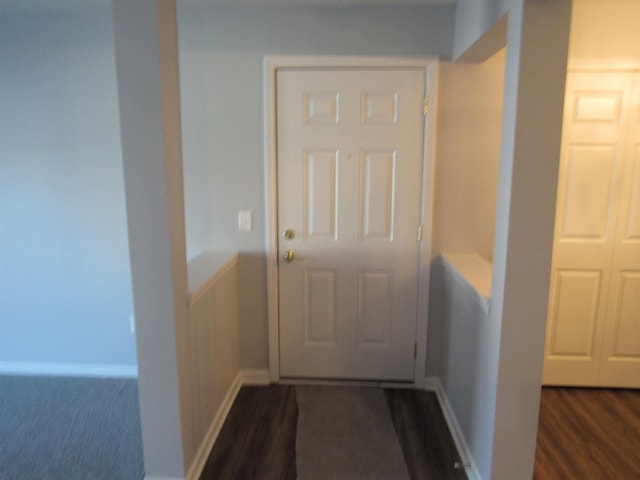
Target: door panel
378,171
375,311
626,335
574,329
632,221
588,195
320,306
575,308
349,178
321,193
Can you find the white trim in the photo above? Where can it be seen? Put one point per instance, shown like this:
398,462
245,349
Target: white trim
428,188
271,64
472,272
433,384
603,65
345,383
254,377
344,61
68,369
217,272
147,477
271,208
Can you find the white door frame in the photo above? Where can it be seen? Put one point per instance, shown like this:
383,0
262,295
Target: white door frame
271,64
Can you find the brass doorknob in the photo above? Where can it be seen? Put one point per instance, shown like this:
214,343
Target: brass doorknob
289,255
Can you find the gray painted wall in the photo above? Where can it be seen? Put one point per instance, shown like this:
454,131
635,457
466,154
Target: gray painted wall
65,288
221,52
465,337
62,208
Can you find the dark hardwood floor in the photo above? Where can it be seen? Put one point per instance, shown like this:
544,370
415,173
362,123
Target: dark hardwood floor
588,434
257,439
426,442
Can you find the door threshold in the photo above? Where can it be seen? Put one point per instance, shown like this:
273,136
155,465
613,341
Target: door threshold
336,382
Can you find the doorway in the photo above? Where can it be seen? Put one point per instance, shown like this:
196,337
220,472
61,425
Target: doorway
342,200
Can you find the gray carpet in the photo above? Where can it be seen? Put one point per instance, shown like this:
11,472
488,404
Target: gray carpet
346,433
54,428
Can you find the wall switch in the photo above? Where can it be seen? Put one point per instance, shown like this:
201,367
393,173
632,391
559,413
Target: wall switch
245,221
132,323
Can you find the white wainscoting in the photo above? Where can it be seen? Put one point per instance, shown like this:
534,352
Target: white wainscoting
214,362
244,377
214,340
462,378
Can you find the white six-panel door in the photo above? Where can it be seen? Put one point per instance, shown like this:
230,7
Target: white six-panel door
593,330
620,361
349,150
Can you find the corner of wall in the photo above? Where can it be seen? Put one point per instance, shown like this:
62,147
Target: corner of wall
487,44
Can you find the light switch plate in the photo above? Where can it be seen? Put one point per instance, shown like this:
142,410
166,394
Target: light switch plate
245,221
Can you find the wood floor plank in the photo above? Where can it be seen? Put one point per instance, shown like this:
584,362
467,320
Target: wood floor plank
424,435
257,439
588,434
271,445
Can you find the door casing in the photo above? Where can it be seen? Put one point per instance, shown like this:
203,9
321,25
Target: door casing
270,66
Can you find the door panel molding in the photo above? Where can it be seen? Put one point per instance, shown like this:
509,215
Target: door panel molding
326,108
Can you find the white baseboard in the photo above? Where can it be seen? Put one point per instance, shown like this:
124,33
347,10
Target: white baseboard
68,369
254,377
244,377
433,384
148,477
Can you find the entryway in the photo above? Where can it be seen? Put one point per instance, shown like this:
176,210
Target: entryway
348,211
264,435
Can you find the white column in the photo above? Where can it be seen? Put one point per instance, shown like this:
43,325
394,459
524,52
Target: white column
537,46
146,50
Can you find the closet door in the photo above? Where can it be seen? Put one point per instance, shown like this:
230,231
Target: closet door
620,363
591,174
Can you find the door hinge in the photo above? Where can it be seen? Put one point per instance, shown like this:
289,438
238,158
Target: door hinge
420,233
425,109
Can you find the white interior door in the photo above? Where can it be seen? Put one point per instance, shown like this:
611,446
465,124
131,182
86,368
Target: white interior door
620,362
349,146
593,330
